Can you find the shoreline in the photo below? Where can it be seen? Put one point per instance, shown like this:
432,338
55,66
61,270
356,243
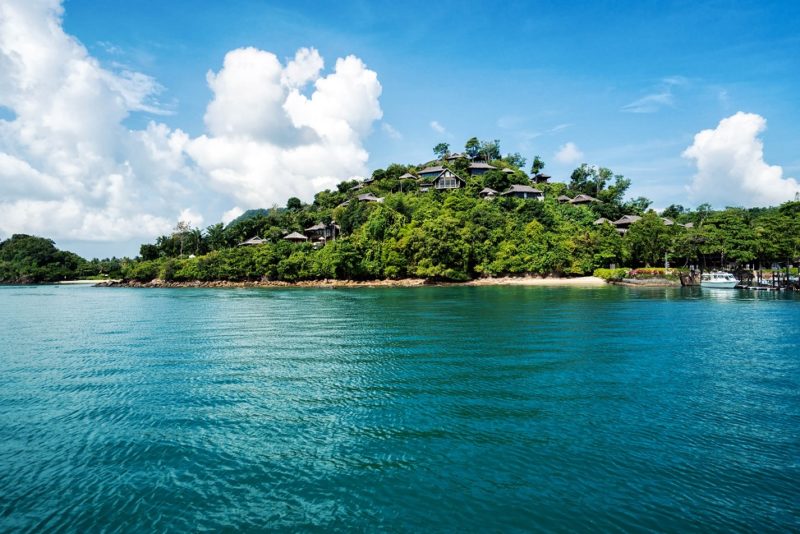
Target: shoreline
582,281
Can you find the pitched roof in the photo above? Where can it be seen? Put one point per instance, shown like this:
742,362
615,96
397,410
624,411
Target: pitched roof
368,197
583,198
480,165
255,240
357,187
563,198
295,236
508,171
431,170
408,175
454,175
627,219
487,191
321,226
516,188
667,222
542,177
601,220
454,155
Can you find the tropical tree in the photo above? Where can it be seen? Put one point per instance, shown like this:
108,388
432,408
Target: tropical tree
472,147
537,166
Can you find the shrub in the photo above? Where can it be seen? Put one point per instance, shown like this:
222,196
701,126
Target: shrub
612,274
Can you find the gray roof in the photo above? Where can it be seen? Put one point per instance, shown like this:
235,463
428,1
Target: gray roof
601,220
487,191
563,198
454,155
255,240
516,188
542,177
689,225
627,219
480,165
294,236
667,222
431,170
321,226
357,187
583,198
509,171
368,197
407,176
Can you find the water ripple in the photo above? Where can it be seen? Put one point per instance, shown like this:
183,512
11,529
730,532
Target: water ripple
380,409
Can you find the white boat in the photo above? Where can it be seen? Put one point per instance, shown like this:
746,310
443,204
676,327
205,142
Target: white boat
718,279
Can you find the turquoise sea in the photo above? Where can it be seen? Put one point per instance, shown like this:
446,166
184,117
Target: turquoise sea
415,409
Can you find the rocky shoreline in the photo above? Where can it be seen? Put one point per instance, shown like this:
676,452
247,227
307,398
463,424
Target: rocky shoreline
649,282
584,281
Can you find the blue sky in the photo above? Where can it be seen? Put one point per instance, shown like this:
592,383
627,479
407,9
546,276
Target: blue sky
622,85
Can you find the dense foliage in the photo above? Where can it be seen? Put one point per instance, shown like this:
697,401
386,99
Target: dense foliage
456,235
30,259
449,235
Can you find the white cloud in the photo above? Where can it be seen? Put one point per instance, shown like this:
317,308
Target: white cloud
69,169
662,97
730,165
269,142
67,162
568,153
438,128
391,131
231,214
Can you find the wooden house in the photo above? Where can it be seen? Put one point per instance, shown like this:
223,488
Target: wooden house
322,231
295,237
523,191
369,197
429,173
625,222
583,199
487,192
447,179
476,168
255,240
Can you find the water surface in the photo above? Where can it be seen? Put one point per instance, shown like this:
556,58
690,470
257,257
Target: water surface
436,409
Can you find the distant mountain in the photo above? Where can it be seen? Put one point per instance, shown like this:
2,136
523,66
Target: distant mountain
249,214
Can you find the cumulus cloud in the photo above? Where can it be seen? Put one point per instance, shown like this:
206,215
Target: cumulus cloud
568,153
70,169
730,165
268,141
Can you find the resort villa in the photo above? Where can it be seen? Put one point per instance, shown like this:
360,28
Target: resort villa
439,176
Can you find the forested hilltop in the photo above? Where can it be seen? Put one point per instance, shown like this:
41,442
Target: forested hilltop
397,225
458,217
26,259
